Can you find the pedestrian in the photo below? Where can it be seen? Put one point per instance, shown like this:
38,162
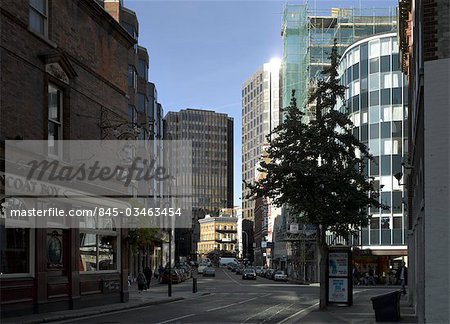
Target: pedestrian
355,276
160,272
155,273
148,276
402,276
141,281
371,278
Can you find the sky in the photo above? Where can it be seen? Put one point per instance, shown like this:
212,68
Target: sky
202,51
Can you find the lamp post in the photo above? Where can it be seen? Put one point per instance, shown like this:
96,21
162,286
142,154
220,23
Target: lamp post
246,243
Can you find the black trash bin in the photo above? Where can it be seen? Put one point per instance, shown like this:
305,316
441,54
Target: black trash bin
387,307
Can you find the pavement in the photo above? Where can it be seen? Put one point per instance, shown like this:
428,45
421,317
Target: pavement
361,312
226,299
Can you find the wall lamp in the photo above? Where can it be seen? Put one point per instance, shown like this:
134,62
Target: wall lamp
399,175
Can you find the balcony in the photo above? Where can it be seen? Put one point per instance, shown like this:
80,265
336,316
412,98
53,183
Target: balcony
226,230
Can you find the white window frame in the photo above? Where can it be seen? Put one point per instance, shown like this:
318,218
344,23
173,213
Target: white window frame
58,123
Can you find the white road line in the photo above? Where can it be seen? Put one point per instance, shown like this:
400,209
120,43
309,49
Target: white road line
221,307
259,313
232,278
177,318
282,309
310,308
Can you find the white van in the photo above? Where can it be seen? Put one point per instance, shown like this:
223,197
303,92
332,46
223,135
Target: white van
225,261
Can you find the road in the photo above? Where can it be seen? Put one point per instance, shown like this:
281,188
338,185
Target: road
222,299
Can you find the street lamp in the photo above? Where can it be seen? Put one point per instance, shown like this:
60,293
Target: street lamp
246,243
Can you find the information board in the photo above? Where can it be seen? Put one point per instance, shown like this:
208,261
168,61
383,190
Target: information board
339,275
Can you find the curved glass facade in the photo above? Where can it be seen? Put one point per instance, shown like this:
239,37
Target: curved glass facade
376,99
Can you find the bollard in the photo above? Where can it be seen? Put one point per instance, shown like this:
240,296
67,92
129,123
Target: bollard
194,285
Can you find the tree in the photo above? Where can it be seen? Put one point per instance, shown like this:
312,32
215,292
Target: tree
316,170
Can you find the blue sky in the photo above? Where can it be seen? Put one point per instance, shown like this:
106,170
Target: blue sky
202,51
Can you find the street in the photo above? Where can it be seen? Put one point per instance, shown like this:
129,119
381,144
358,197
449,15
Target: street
224,298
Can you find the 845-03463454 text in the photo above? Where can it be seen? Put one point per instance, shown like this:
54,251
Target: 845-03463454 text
97,211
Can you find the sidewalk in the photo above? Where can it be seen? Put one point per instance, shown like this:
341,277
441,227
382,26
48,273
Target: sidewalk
157,294
360,313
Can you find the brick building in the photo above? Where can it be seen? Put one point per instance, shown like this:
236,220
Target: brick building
64,75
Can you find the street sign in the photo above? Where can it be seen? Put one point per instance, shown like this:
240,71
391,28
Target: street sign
293,228
339,276
270,245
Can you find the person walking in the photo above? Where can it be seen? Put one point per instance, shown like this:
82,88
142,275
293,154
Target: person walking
141,281
402,276
148,276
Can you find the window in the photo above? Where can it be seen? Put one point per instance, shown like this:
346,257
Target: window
374,48
374,114
374,98
142,102
14,250
38,16
98,245
396,96
386,46
374,166
385,63
385,97
374,81
55,105
374,65
386,81
143,70
132,77
132,115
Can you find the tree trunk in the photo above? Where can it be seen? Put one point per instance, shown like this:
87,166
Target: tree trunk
323,252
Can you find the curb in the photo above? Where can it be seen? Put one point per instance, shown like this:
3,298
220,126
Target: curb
63,317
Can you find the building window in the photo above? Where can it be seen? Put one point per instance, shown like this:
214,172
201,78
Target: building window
132,81
132,115
38,16
142,102
143,70
55,106
14,250
98,245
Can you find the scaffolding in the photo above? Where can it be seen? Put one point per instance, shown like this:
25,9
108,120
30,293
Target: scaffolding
308,35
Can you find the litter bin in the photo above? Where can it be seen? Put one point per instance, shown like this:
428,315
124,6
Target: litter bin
387,307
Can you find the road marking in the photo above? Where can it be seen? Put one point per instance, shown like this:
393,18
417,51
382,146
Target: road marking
282,309
259,313
232,278
221,307
238,303
177,318
308,309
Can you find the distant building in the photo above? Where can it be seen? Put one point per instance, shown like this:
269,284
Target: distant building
211,135
217,234
260,115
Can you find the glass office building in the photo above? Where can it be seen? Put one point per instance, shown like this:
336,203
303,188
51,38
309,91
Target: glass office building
376,99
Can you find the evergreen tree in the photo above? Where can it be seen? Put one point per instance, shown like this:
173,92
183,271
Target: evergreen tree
316,170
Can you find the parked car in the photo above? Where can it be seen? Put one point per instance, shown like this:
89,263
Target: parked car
259,270
165,278
209,272
280,276
202,266
270,274
249,274
239,270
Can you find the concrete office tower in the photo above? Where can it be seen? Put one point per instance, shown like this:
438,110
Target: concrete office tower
211,134
308,36
376,99
425,52
260,115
